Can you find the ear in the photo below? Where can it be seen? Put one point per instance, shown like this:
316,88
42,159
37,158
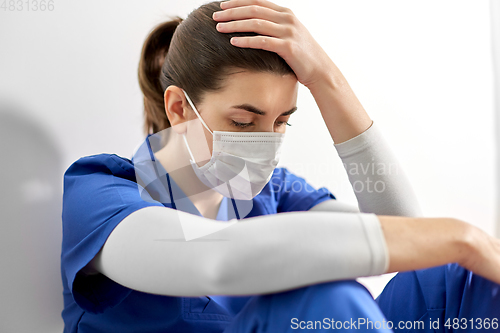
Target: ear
175,107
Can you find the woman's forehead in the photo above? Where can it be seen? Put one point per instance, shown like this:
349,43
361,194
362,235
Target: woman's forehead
260,89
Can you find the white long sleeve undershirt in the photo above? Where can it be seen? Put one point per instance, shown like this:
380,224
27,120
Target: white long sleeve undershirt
369,161
266,253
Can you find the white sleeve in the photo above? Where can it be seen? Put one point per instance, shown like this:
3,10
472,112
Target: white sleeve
270,253
379,183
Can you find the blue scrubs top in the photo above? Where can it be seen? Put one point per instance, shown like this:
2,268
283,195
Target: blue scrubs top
99,192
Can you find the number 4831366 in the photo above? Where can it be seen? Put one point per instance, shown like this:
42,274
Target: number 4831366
27,5
478,324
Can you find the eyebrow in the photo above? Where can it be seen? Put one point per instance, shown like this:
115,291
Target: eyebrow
253,109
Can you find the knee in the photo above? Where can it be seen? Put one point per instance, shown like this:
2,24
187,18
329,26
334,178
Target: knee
341,300
344,293
344,300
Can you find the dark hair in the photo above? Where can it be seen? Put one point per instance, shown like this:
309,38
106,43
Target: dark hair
194,56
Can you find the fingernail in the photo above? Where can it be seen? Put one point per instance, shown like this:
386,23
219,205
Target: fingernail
216,15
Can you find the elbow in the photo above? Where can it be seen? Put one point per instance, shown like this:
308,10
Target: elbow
213,281
221,273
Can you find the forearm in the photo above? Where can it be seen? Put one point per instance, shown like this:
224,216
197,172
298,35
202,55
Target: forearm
417,243
342,112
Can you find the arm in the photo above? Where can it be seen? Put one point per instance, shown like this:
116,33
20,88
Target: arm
272,253
342,112
378,181
147,252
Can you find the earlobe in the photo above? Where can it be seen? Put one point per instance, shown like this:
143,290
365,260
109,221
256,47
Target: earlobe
174,108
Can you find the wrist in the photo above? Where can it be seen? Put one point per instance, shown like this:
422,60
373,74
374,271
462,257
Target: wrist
331,78
468,243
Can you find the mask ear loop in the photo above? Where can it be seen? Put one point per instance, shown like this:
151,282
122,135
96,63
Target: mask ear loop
196,111
187,146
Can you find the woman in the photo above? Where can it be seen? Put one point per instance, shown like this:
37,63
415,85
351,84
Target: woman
200,232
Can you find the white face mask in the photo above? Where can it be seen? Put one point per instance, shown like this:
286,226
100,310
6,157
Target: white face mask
242,163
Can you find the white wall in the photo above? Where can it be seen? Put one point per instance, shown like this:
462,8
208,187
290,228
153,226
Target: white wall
422,70
495,38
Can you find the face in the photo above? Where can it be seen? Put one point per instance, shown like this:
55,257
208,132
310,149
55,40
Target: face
249,102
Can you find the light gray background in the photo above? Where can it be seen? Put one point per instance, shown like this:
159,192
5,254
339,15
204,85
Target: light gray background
68,88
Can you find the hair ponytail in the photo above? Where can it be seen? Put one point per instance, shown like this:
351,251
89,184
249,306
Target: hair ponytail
153,55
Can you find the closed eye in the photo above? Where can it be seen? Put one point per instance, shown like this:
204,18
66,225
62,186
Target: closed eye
240,125
244,125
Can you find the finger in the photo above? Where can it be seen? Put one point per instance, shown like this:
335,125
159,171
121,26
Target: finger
247,12
267,43
262,3
254,25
